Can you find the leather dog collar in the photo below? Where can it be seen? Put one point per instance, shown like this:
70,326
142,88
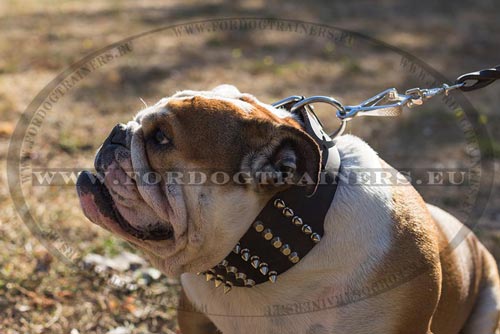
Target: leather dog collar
287,228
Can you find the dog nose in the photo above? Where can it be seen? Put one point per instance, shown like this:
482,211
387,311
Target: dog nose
106,153
119,135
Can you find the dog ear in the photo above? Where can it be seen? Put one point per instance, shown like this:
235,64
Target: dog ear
280,155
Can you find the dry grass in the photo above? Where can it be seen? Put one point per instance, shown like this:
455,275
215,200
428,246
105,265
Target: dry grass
40,39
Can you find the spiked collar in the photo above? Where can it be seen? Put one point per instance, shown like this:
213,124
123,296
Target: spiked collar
287,228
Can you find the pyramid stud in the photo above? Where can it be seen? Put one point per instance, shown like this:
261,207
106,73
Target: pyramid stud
209,276
258,226
231,269
287,212
267,234
227,287
315,237
237,248
241,276
245,254
223,263
307,229
276,242
249,282
263,268
294,257
279,203
273,276
297,221
285,249
255,261
199,273
219,280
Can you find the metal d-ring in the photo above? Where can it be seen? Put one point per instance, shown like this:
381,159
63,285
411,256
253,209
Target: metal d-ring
317,99
298,102
328,100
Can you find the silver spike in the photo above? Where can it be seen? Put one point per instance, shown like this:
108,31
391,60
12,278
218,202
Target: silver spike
209,276
297,221
237,248
249,282
255,261
294,257
258,226
287,212
263,268
276,242
315,237
227,287
307,229
241,276
245,254
219,280
285,249
273,276
267,234
279,203
223,263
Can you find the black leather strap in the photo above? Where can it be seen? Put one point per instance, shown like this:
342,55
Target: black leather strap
479,79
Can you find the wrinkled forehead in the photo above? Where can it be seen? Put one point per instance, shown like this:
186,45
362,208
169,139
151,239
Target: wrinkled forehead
227,100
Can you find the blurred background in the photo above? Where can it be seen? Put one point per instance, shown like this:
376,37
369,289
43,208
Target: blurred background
40,293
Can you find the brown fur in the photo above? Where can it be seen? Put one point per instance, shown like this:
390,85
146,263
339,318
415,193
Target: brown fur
426,269
454,309
234,134
424,249
411,270
429,286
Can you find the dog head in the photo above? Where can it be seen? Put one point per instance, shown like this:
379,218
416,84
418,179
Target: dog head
185,178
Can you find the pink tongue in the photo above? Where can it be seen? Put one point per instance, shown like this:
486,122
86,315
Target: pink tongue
151,193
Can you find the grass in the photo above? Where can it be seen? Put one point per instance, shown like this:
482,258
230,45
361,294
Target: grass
72,144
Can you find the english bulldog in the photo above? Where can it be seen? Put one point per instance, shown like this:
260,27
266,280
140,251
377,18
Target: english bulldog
387,262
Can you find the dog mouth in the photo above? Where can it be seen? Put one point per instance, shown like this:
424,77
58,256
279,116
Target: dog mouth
89,185
112,200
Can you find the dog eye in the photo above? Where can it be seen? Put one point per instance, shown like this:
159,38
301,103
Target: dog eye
161,138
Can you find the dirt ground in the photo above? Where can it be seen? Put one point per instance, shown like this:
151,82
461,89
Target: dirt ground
40,293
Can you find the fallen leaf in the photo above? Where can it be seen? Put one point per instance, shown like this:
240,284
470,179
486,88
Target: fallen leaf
6,129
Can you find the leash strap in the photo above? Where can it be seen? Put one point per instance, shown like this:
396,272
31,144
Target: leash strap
475,80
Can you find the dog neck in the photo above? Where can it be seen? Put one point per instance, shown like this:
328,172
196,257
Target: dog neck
287,228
